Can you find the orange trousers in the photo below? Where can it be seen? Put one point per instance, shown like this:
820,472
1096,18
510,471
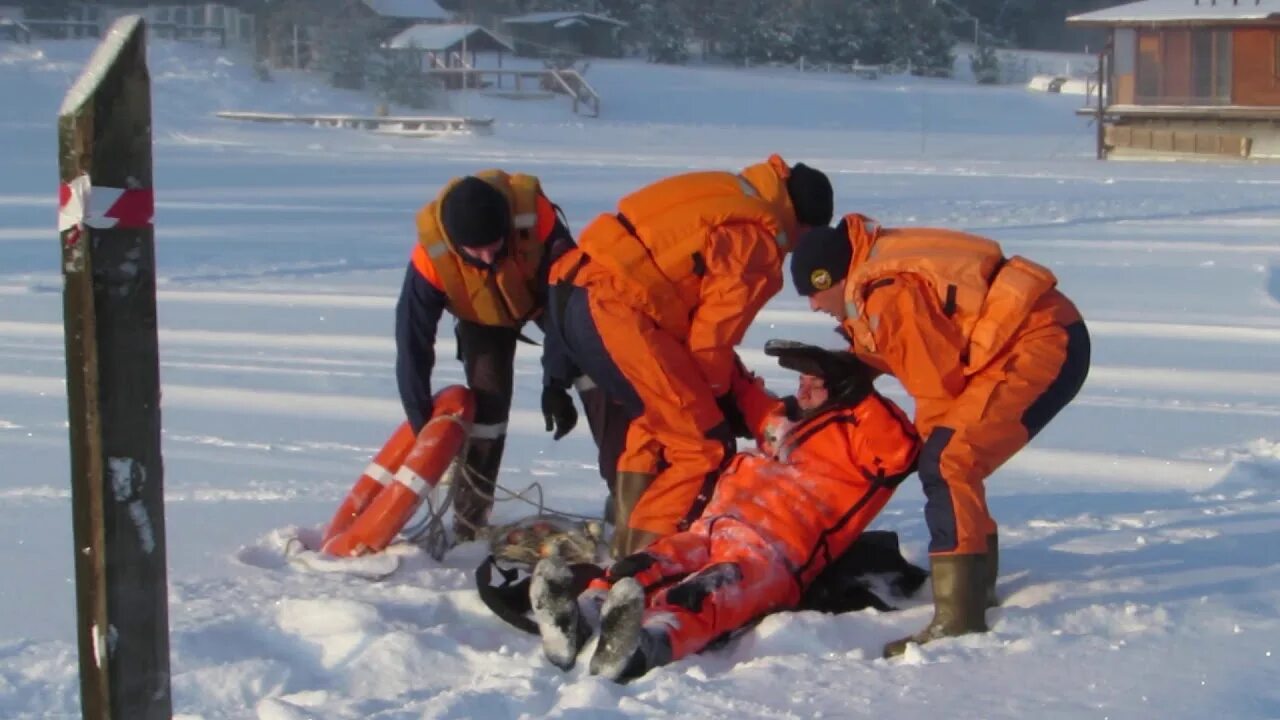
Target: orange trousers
1001,409
653,376
737,577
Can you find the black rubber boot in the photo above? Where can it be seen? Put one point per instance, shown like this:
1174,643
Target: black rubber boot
626,649
553,595
993,569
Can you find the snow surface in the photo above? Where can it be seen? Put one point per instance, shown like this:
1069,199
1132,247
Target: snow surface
1139,574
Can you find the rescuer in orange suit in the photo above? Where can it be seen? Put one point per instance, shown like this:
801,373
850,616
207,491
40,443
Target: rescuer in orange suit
775,521
651,305
989,350
485,245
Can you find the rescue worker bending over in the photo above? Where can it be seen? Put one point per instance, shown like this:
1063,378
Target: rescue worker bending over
989,350
774,523
485,245
650,307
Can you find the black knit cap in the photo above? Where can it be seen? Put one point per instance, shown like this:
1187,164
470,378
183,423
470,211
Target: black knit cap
475,213
821,259
811,195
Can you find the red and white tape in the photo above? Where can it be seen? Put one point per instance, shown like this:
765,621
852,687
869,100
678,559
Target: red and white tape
81,203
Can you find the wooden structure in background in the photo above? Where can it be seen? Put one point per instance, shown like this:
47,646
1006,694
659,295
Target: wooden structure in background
1188,78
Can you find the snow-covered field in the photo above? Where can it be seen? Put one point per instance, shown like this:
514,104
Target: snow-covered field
1139,573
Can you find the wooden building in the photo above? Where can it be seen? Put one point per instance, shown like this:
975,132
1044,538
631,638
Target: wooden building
442,49
1187,78
546,34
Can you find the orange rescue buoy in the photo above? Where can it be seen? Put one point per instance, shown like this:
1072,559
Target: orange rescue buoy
439,442
377,475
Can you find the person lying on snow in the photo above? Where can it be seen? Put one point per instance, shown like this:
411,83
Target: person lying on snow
776,520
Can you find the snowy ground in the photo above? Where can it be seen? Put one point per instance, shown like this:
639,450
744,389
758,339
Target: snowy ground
1139,574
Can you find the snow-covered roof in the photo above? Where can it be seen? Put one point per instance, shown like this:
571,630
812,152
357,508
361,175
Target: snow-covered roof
1180,11
427,36
540,18
409,9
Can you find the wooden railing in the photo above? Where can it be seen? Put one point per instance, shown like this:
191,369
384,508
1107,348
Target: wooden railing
567,81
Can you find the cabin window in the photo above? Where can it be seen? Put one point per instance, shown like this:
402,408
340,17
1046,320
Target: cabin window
1148,70
1210,66
1275,54
1183,67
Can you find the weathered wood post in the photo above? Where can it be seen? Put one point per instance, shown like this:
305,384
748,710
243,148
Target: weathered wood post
1104,71
113,381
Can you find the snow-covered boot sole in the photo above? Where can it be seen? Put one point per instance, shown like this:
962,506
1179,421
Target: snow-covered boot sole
618,654
555,609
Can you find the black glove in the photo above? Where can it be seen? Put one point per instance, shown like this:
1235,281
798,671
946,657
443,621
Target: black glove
558,411
847,378
733,416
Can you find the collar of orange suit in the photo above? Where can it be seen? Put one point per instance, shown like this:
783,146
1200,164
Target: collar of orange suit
863,233
769,178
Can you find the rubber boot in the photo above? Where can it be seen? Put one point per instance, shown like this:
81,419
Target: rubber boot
626,649
993,569
554,599
959,601
473,498
638,540
629,487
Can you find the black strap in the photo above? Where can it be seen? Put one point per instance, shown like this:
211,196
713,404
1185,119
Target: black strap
949,307
510,600
626,224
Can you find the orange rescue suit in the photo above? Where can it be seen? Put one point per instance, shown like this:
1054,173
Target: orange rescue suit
976,339
673,279
775,522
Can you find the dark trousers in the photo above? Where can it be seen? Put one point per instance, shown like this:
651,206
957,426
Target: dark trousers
488,359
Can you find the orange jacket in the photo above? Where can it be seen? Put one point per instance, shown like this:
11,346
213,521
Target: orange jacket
934,307
507,294
699,253
831,474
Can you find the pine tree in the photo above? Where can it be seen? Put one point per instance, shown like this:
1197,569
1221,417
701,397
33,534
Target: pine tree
761,31
397,77
985,64
342,51
831,31
663,33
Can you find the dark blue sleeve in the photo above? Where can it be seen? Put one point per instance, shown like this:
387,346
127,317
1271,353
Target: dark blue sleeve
417,317
558,242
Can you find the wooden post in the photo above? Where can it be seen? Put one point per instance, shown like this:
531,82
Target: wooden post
113,381
1102,101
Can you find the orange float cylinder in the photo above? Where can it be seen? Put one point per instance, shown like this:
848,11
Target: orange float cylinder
376,476
439,442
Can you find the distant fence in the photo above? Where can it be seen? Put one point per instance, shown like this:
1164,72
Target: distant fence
23,31
14,30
